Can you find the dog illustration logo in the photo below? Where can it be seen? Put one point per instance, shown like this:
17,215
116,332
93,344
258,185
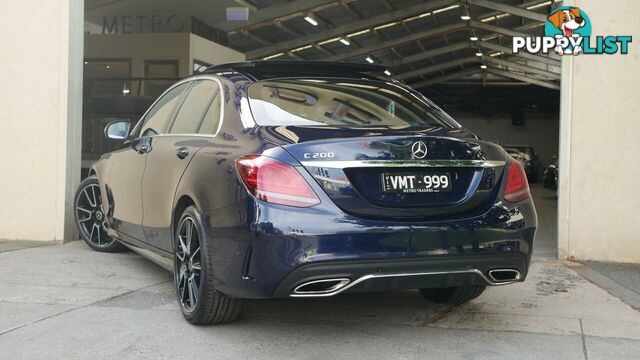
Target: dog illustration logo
567,20
567,31
568,23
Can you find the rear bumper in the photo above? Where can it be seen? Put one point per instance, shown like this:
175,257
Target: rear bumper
394,274
275,249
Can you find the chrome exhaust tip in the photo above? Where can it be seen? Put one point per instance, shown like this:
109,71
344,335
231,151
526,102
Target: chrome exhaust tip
504,275
320,287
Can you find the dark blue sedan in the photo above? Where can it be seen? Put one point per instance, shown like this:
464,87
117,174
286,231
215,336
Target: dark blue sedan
263,179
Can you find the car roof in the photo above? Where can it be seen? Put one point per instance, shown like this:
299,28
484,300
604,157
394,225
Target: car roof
274,69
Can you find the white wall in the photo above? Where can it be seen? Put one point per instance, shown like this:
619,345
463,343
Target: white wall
540,130
41,70
184,47
600,107
210,52
141,47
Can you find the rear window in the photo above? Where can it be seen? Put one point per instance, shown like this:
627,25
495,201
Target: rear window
340,102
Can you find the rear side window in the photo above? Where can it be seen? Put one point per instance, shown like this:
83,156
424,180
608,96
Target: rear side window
211,121
156,118
196,105
343,102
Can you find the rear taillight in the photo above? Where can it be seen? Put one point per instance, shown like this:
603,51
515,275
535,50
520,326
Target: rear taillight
274,181
517,188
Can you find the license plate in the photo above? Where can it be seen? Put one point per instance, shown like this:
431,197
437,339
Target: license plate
408,183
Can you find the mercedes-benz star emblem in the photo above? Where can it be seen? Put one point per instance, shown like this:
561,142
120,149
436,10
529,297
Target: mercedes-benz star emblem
419,150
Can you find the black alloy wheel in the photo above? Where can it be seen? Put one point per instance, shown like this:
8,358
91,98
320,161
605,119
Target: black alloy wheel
188,264
90,217
199,300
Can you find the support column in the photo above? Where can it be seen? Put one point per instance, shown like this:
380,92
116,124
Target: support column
564,152
41,102
599,195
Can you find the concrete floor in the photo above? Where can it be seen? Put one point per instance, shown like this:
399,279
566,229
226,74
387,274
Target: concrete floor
66,301
628,275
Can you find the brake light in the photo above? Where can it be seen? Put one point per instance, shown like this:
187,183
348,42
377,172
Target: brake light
517,188
274,181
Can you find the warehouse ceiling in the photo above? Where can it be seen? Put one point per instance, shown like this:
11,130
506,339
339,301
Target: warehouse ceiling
423,43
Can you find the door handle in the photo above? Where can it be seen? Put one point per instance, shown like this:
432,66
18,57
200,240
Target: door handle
182,153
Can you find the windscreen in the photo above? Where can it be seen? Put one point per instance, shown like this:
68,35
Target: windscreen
340,102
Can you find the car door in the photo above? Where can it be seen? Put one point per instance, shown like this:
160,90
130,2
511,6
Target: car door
128,164
170,155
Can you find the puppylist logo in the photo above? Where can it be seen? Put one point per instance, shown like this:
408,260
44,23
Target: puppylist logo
568,32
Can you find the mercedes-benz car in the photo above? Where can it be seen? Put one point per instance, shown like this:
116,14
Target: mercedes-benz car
281,179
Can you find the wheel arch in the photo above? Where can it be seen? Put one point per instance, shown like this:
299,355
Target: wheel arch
182,201
181,204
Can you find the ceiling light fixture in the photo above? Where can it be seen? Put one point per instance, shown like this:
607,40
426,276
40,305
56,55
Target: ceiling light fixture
465,17
272,56
539,5
328,41
369,60
345,41
387,72
479,53
473,38
237,13
302,48
383,26
359,33
438,11
311,20
483,66
416,17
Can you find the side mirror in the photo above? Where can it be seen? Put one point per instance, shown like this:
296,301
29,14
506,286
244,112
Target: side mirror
117,130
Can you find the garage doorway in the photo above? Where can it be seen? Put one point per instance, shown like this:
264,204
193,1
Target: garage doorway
457,54
524,119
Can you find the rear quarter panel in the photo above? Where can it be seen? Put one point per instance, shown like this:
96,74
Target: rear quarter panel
211,182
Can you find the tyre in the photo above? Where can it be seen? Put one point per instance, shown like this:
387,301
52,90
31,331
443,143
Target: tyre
550,180
90,218
198,299
453,295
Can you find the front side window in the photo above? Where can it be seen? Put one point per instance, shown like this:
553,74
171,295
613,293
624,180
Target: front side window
156,118
343,102
194,108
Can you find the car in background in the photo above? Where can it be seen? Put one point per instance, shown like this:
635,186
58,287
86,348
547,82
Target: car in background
272,179
516,154
551,175
529,160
